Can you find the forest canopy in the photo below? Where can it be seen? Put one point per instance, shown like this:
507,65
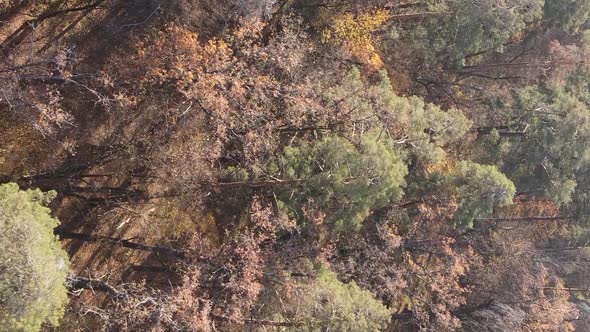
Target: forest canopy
294,165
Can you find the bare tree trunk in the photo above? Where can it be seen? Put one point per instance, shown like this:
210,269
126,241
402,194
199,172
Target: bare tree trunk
417,16
508,134
15,9
263,322
531,219
120,242
27,27
87,10
260,184
75,283
488,66
565,249
153,269
569,289
489,129
269,183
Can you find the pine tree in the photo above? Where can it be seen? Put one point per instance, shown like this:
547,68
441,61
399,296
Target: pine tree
480,188
343,180
326,304
553,159
33,265
567,14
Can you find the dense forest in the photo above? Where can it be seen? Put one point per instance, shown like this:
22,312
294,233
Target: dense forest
295,165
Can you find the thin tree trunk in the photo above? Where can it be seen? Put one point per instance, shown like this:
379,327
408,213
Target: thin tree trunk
14,9
301,129
120,242
472,55
489,129
87,11
532,219
569,289
75,283
260,184
24,30
417,16
263,322
153,269
270,183
565,249
426,200
508,134
487,66
13,16
27,27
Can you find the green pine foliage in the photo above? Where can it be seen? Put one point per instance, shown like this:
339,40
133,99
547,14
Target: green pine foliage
345,180
487,25
32,262
567,14
326,304
459,29
479,188
554,156
422,129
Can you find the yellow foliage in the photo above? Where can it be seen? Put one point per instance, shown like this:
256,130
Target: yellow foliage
355,35
445,166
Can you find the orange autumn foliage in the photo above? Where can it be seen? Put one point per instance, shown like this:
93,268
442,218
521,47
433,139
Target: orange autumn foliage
355,33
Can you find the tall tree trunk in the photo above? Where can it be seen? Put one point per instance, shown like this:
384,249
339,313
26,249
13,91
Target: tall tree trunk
10,11
531,219
120,242
489,129
75,283
562,249
269,183
569,289
153,269
417,16
87,10
260,184
488,66
508,134
263,322
28,26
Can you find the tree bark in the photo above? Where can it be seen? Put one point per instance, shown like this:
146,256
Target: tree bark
489,129
75,283
487,66
569,289
270,183
263,322
120,242
153,269
416,16
532,219
565,249
260,184
508,134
